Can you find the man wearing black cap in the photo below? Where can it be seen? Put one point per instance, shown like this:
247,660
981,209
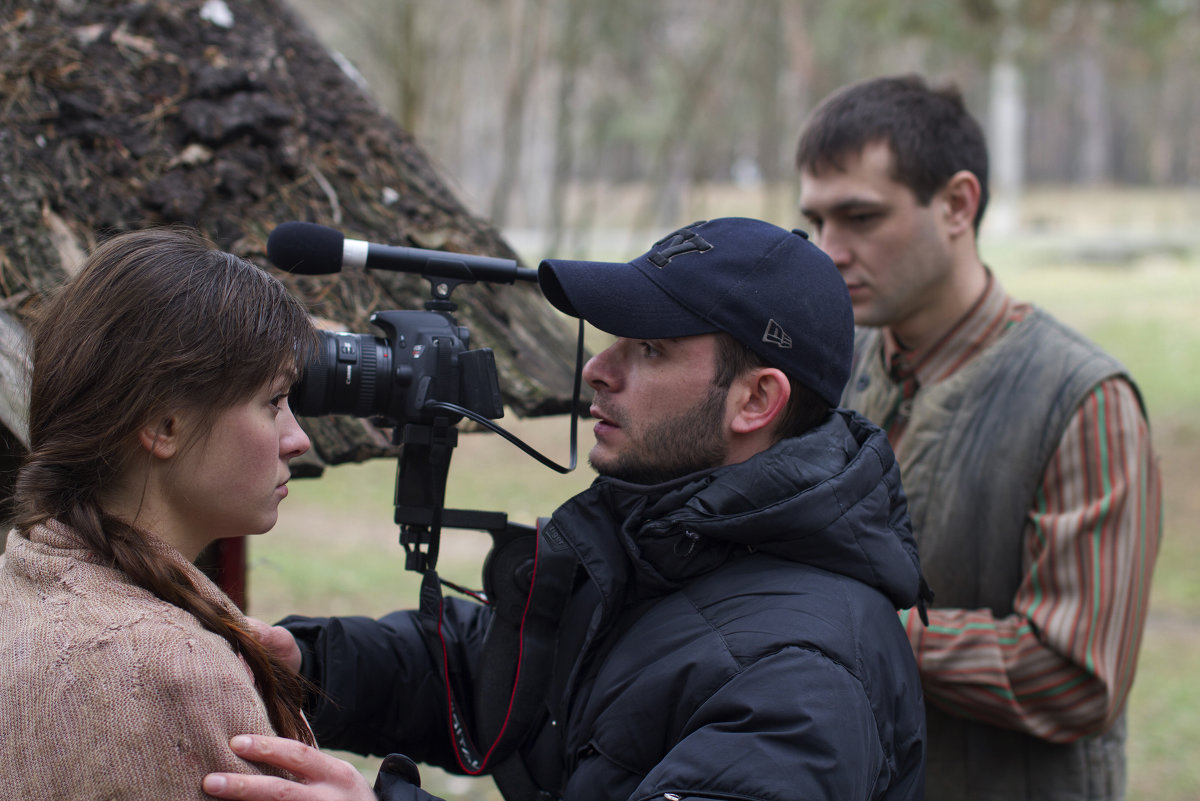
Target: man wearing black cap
730,630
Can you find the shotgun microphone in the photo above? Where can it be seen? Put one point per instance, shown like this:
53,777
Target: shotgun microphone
310,249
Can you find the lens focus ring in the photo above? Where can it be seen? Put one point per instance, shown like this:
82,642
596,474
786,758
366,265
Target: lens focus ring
368,365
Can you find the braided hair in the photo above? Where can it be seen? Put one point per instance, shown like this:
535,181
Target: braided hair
156,319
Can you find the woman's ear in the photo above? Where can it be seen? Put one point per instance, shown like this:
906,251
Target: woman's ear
761,397
160,438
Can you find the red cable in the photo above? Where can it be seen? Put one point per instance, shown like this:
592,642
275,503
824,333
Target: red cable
516,677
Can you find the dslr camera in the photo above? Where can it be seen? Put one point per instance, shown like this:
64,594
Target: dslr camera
423,359
423,365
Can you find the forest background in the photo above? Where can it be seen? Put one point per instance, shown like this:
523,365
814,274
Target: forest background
587,129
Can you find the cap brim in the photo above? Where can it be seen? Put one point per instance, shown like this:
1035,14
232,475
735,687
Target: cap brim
617,298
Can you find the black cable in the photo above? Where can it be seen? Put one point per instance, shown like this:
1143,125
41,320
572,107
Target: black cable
528,449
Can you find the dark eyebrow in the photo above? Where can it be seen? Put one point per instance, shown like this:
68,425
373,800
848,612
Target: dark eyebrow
849,204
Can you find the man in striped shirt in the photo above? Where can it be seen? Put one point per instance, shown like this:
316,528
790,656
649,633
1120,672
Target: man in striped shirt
1024,450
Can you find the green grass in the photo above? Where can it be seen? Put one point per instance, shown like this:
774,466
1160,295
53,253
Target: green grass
335,550
1145,315
1163,725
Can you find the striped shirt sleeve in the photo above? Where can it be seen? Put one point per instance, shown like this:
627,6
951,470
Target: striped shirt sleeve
1061,665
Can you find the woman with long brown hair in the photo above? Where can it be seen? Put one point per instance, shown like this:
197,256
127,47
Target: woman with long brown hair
158,423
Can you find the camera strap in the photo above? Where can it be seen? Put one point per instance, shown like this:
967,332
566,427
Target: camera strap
494,696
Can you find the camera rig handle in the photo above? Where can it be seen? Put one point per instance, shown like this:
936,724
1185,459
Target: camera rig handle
424,464
527,578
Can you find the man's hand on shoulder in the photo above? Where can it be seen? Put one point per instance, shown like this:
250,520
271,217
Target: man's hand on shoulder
322,777
278,641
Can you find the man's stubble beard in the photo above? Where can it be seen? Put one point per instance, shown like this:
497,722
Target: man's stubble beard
685,444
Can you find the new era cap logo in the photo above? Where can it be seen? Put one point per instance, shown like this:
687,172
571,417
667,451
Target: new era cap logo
775,335
685,240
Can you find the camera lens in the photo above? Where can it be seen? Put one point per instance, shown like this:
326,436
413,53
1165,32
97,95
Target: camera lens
348,374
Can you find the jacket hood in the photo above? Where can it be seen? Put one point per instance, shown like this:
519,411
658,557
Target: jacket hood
830,498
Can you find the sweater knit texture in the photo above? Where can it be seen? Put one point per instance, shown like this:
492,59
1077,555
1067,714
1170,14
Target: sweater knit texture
107,691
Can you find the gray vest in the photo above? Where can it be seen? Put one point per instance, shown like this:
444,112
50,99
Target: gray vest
971,460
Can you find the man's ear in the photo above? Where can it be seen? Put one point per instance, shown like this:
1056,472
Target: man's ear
160,438
760,398
960,197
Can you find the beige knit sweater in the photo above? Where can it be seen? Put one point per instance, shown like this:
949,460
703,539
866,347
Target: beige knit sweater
106,691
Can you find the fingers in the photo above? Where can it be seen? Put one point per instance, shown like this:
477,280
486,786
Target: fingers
278,641
252,788
302,760
323,777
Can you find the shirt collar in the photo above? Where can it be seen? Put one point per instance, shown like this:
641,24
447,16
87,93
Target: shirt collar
985,322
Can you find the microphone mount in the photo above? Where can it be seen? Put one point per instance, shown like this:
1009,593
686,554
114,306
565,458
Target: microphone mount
444,270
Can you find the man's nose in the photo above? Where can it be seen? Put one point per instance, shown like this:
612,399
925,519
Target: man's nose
835,246
600,371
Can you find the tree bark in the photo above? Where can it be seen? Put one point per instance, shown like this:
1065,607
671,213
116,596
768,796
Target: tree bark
231,117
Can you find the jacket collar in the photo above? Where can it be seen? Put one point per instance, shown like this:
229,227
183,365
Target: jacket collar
830,498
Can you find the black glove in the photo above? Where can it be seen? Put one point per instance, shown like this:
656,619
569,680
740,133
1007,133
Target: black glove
399,780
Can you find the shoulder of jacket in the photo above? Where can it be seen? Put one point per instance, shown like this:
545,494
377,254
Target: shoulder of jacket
768,612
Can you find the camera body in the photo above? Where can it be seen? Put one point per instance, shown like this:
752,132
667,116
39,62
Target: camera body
423,358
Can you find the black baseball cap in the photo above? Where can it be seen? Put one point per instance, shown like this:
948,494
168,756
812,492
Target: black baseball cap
771,289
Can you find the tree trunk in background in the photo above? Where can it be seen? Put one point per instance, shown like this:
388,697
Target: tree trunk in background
696,73
570,55
530,16
776,107
413,56
1170,104
1174,157
1191,155
797,96
1006,145
1095,135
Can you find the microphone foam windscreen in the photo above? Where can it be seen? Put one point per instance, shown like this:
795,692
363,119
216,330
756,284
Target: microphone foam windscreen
305,248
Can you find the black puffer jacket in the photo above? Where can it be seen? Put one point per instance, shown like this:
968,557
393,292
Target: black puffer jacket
733,635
